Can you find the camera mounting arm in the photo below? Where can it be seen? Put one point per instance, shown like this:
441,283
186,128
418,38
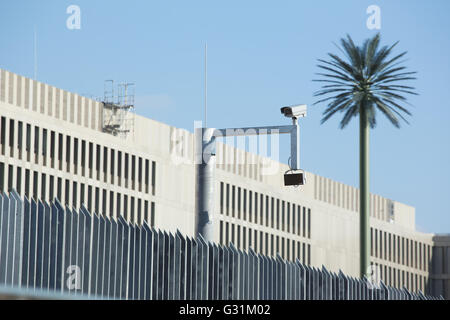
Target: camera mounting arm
205,161
205,154
293,130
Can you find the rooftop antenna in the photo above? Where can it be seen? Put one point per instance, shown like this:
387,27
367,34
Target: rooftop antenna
35,54
206,83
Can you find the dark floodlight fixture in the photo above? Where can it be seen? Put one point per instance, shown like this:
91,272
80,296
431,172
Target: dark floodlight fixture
294,179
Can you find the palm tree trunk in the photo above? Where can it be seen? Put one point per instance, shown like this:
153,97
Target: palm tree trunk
364,131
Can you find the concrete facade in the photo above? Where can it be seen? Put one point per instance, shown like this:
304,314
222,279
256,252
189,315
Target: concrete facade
52,145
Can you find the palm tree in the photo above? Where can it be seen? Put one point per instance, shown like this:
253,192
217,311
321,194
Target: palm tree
366,80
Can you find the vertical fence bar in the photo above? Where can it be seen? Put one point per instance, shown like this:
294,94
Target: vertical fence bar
177,267
18,240
235,267
8,259
95,236
160,266
199,273
188,290
136,262
119,259
225,273
241,275
142,263
245,275
80,250
70,282
67,247
165,266
211,278
87,247
131,253
106,257
39,247
26,238
171,268
205,270
213,271
60,243
150,256
46,243
32,245
251,274
112,275
101,255
194,267
125,243
231,273
183,265
274,287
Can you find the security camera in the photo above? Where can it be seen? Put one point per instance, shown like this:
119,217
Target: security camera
294,111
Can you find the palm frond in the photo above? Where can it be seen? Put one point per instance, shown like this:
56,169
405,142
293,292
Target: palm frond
333,97
340,107
351,112
366,78
387,112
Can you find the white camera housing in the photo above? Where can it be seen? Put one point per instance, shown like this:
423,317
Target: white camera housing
294,111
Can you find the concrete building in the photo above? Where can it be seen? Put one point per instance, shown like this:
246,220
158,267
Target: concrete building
53,144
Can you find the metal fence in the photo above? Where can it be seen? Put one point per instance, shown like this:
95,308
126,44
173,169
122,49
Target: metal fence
45,246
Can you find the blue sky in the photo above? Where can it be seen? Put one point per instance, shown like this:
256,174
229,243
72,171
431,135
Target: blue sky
261,56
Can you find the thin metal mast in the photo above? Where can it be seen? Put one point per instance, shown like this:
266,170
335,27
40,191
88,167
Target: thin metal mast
35,54
206,84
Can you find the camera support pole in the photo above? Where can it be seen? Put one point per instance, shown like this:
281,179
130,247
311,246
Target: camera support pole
205,162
